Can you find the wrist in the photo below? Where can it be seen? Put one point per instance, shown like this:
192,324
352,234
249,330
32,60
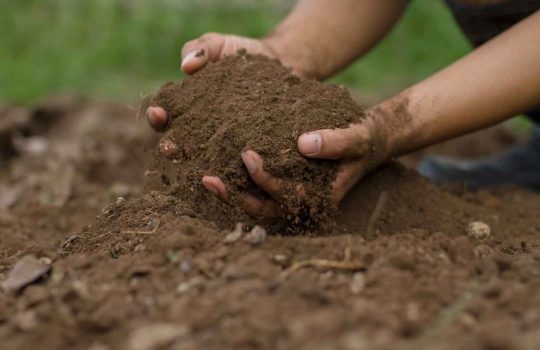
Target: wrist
391,127
290,56
377,139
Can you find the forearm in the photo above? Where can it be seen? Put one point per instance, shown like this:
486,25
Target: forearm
493,83
320,37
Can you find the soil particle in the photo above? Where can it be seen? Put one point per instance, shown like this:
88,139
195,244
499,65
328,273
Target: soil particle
248,102
478,230
257,235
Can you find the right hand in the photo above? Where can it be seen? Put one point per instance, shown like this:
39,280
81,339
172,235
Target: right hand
358,148
210,47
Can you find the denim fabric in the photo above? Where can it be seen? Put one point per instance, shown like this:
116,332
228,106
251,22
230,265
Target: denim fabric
534,116
483,22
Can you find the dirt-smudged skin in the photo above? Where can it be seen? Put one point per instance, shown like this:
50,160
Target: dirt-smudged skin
248,102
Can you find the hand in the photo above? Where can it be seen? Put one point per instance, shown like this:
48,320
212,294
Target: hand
210,47
357,148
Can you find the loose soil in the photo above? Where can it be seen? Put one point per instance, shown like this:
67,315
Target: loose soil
151,272
248,102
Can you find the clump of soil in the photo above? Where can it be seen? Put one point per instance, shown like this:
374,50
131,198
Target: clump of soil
151,273
248,102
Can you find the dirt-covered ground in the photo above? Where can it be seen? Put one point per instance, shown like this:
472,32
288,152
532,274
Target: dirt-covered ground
116,268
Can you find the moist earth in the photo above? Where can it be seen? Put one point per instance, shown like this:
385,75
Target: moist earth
249,102
150,272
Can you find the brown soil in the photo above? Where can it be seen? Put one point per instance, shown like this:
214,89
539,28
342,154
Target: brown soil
248,102
151,273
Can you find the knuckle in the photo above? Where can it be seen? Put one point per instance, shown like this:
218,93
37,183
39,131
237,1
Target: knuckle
349,142
190,46
211,36
266,179
253,208
334,148
329,143
261,177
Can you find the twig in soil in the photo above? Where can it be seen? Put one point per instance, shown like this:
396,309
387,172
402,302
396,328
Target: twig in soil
150,232
152,212
338,265
376,214
347,251
100,236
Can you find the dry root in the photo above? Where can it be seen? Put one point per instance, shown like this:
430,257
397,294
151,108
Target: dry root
148,232
332,264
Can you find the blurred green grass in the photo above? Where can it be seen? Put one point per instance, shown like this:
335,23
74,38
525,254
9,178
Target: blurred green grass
119,49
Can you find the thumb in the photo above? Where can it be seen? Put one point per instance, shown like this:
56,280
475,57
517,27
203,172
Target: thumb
196,53
335,143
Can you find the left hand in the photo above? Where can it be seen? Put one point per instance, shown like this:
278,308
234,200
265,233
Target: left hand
355,147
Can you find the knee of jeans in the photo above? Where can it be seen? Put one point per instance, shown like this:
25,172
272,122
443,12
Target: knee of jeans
534,115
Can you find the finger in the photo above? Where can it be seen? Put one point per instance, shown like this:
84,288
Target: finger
260,208
348,174
255,207
272,185
157,118
198,52
217,187
335,143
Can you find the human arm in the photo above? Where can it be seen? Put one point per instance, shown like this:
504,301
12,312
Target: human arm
317,39
493,83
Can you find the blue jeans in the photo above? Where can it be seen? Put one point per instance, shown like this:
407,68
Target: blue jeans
534,116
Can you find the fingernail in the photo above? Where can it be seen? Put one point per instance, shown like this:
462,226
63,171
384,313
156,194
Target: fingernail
190,56
310,144
210,187
249,161
156,115
150,113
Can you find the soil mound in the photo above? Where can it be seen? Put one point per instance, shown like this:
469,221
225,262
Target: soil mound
152,273
247,102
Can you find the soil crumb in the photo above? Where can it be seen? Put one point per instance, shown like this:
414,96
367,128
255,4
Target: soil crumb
248,102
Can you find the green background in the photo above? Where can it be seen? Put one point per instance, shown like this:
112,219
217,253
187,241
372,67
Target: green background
119,49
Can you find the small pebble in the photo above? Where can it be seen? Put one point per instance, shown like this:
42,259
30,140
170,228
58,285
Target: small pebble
358,283
281,259
257,235
120,189
156,336
478,230
234,235
168,148
195,282
45,260
185,266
